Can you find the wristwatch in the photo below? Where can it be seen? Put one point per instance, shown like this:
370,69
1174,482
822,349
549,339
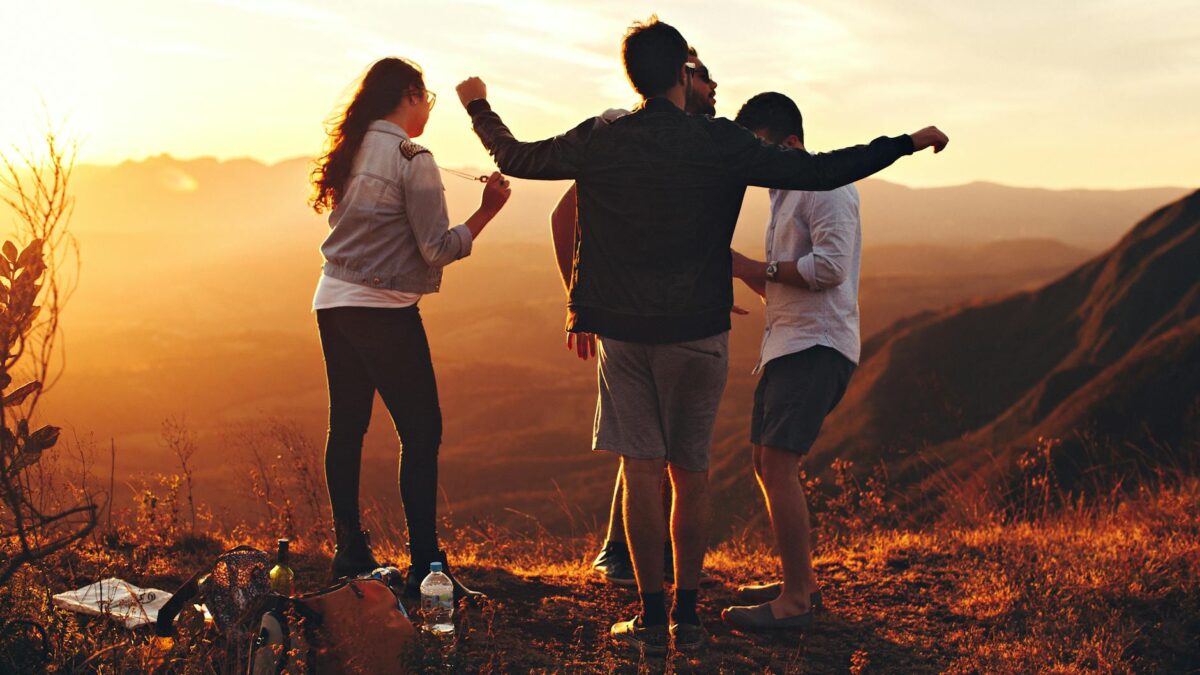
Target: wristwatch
772,270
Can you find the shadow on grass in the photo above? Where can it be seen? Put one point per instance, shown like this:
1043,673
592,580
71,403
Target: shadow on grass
561,623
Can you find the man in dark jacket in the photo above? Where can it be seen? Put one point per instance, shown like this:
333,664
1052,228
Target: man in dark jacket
659,194
613,561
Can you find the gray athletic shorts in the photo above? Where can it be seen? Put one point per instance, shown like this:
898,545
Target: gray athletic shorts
660,401
794,394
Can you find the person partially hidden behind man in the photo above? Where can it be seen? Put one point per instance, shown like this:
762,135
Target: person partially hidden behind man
659,194
613,561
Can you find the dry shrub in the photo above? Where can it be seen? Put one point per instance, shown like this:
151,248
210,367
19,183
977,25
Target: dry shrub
182,442
856,505
285,476
34,287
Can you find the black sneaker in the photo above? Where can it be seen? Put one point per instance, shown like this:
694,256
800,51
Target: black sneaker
688,636
650,640
615,564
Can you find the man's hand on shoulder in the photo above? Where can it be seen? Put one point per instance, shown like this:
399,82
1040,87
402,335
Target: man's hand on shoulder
929,137
471,89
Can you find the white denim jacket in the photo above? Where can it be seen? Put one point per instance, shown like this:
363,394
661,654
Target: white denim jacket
391,228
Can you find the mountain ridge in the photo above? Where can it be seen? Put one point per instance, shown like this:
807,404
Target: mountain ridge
999,374
971,213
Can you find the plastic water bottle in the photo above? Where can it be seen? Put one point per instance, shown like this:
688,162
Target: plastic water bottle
437,601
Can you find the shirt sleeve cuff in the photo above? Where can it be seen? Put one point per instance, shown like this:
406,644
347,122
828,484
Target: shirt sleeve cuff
465,238
481,105
807,268
904,145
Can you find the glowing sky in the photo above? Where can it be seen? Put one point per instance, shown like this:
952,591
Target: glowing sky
1102,93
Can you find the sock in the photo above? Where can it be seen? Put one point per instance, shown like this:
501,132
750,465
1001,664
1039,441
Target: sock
685,606
653,611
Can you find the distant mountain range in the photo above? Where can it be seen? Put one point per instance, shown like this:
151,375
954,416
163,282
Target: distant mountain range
142,196
983,212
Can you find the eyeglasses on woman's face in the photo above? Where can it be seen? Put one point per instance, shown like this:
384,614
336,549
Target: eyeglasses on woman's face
429,96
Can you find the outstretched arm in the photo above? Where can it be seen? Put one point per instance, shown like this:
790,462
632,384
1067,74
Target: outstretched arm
757,163
551,159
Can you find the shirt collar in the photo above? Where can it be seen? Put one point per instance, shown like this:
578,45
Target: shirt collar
388,128
660,104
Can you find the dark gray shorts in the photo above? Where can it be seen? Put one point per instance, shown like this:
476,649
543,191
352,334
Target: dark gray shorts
794,395
660,401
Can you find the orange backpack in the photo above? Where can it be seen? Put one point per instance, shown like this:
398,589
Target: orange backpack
354,627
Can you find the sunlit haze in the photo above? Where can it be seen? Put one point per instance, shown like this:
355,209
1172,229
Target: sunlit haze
1099,94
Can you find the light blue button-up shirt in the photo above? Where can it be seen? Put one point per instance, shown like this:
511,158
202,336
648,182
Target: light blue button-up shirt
822,232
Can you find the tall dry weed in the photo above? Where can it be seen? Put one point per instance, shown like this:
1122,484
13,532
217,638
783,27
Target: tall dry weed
35,284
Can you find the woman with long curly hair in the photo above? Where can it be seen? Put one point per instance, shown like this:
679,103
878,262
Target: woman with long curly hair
388,242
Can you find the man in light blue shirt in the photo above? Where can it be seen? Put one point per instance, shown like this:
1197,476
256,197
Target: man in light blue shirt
809,351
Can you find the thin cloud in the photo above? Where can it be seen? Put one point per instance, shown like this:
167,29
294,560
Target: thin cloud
290,9
171,48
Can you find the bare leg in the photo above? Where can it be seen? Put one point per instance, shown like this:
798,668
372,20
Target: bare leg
616,517
667,493
668,496
689,525
779,476
645,527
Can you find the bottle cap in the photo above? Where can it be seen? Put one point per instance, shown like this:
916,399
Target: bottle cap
435,567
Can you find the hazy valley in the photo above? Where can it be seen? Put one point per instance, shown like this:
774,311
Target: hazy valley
194,302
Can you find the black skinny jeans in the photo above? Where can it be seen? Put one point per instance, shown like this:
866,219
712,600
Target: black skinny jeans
369,349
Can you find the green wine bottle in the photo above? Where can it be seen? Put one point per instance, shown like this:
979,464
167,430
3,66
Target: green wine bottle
282,577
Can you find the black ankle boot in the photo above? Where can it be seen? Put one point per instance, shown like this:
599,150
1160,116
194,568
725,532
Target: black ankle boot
419,569
353,554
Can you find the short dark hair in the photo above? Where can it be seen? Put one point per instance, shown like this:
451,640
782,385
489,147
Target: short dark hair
774,114
653,53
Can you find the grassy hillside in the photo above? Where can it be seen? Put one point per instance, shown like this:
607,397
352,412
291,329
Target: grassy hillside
1104,358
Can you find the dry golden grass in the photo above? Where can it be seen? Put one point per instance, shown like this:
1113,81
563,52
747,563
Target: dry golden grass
1109,587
